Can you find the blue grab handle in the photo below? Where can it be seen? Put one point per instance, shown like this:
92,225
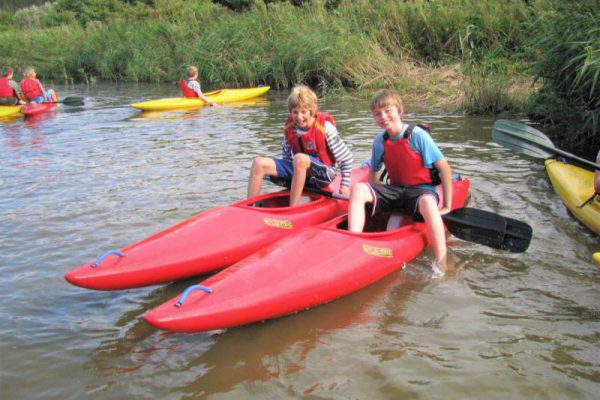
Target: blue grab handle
188,290
104,255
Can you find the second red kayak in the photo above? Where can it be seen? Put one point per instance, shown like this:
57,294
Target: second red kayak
32,108
209,241
313,266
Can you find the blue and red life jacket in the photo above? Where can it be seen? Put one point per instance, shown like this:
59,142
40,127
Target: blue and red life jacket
404,165
185,90
313,142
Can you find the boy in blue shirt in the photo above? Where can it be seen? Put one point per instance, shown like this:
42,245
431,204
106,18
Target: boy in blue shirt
415,166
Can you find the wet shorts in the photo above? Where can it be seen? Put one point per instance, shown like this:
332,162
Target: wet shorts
400,199
319,175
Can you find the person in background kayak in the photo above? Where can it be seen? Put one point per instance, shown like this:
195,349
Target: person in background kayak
190,87
311,149
415,166
9,89
32,89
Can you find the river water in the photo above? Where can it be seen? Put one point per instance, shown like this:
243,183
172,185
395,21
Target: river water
81,180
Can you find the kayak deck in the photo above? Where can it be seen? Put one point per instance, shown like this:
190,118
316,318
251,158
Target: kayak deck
575,185
217,96
313,266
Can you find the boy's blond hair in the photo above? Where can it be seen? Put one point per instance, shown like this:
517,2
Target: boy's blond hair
192,71
29,72
303,96
386,97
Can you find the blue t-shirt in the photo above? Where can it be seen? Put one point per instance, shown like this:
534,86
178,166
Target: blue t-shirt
420,141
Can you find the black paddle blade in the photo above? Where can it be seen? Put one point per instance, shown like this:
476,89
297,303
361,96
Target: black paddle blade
517,237
522,139
478,226
72,101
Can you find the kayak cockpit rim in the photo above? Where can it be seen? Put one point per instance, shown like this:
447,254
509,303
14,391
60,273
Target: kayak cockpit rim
281,200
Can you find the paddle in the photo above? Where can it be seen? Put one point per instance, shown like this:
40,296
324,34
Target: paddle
70,101
477,226
527,140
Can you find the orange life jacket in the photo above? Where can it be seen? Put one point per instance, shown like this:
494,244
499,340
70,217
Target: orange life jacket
313,142
31,88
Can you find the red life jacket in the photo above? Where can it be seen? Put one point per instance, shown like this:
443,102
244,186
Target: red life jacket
185,90
31,88
313,142
5,89
404,165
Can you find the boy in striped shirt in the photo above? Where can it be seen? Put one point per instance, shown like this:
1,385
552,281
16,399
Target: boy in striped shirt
312,147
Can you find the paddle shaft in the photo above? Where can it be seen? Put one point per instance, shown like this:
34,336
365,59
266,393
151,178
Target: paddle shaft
69,101
578,160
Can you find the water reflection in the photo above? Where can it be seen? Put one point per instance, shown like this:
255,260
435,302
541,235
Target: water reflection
218,361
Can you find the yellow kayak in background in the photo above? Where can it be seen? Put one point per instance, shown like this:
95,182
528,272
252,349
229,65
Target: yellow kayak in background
575,185
6,111
217,96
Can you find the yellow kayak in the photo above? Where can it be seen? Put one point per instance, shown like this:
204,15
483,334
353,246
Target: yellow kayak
6,111
575,185
217,96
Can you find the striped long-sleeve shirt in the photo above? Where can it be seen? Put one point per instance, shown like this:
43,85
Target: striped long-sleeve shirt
341,152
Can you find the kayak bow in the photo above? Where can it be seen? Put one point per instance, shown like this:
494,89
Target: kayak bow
209,241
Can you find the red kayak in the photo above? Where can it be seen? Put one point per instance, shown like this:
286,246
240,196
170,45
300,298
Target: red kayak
211,240
314,266
32,108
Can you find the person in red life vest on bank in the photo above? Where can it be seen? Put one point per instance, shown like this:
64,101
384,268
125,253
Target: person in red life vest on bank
415,166
33,91
190,87
311,149
9,89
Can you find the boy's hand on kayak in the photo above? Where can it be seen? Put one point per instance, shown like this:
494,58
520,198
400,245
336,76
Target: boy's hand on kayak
345,190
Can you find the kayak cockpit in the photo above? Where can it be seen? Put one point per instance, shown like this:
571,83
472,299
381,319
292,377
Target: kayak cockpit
379,223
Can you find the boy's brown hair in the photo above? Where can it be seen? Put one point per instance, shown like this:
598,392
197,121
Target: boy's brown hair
386,97
192,71
6,71
303,96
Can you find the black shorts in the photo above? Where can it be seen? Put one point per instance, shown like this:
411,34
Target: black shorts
400,199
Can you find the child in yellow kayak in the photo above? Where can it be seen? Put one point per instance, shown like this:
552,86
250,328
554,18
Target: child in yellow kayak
9,89
311,149
32,89
415,166
190,87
